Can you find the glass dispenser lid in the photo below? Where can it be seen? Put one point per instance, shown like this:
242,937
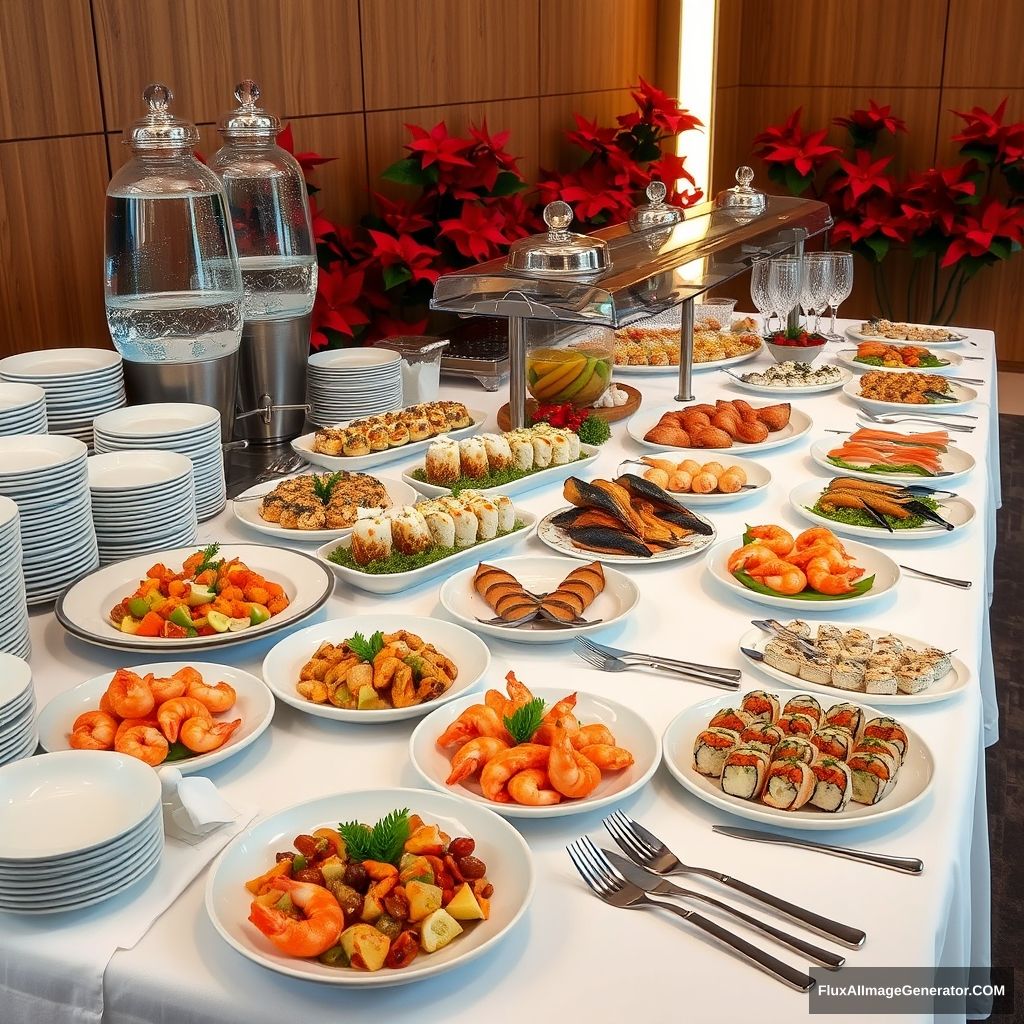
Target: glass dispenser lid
560,251
742,201
248,120
655,213
160,129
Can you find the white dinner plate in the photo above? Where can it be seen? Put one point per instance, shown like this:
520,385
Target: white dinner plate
913,782
954,682
958,511
537,478
956,337
61,362
804,389
149,471
798,425
160,421
539,574
503,850
248,512
631,731
953,361
625,370
961,392
874,563
357,361
758,477
83,608
284,662
254,706
955,462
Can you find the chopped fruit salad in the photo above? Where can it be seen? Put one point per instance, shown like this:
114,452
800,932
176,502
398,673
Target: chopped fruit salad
209,595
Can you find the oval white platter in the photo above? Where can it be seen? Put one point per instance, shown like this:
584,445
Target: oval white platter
913,782
626,370
504,851
284,662
255,707
964,397
393,583
803,389
247,511
758,477
956,464
955,338
548,475
958,511
798,425
83,608
954,682
874,563
631,731
538,574
954,361
304,447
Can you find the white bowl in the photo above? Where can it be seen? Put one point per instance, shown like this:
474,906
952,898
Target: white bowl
796,353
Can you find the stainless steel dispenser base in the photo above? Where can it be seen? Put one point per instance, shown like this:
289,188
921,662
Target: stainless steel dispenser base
208,382
272,379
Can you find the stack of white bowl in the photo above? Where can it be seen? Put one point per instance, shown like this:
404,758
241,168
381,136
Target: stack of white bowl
192,430
80,384
77,827
345,384
142,501
19,735
47,478
22,409
14,632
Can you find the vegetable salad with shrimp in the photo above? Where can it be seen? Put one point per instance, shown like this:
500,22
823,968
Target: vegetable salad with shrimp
368,898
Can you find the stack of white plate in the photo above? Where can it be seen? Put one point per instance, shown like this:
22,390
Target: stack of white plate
142,501
14,634
76,828
80,384
19,735
192,430
22,409
46,476
345,384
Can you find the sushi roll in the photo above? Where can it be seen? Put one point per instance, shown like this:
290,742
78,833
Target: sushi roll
914,675
486,513
443,462
888,644
762,735
506,513
804,704
872,777
848,674
764,706
816,670
541,449
858,652
473,458
711,748
831,648
797,724
891,730
730,718
833,742
833,784
789,785
574,444
782,657
845,716
409,531
499,453
441,526
827,632
522,450
801,628
796,748
744,772
880,748
880,680
371,539
466,525
856,638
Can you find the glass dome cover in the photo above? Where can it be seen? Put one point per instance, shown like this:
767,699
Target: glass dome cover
560,251
248,120
655,213
160,129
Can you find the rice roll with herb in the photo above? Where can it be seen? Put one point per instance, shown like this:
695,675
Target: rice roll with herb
473,458
466,525
880,679
789,785
797,724
371,539
845,716
891,730
486,513
800,628
764,706
880,748
541,449
833,742
710,750
804,704
731,718
833,784
795,748
941,661
816,669
441,526
762,735
499,452
443,462
848,674
506,513
744,772
522,450
561,446
409,531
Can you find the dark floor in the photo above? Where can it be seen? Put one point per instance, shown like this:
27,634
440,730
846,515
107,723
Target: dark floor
1006,759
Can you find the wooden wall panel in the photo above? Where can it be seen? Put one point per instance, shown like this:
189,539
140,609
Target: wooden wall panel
303,53
448,51
556,119
987,34
51,243
48,83
728,43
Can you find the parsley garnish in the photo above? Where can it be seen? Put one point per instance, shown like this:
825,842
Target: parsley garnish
366,649
323,485
525,721
209,553
384,842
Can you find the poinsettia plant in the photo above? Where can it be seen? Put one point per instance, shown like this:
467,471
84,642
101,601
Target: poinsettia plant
953,219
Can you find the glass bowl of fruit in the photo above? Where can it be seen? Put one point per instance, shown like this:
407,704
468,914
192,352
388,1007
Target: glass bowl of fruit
568,362
799,345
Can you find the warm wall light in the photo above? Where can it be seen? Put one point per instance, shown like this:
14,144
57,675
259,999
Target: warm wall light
696,85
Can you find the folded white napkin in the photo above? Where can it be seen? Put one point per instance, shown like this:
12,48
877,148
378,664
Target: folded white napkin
193,806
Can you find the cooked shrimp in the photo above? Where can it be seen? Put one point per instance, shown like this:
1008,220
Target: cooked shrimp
107,708
774,537
590,734
607,756
130,723
473,755
93,730
781,576
144,742
750,555
129,695
563,710
165,689
476,720
818,535
573,774
174,712
406,692
500,768
216,699
517,691
832,575
499,703
821,550
201,735
533,788
315,933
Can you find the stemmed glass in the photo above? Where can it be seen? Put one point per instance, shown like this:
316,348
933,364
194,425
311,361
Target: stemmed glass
842,285
815,284
760,293
784,284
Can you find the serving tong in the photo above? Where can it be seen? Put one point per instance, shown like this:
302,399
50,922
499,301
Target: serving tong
915,506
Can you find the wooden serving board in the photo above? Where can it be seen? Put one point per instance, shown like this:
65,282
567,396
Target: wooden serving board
609,415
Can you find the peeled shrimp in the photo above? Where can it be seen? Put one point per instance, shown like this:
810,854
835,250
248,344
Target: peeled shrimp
315,933
93,730
573,774
818,535
589,734
750,555
533,788
144,742
129,695
172,714
130,723
517,691
561,711
201,735
476,720
165,689
781,576
473,755
774,537
500,768
607,756
216,699
831,573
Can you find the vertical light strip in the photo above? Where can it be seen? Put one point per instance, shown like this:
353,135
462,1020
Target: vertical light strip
696,86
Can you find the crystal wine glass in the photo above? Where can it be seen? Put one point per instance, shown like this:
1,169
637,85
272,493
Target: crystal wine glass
815,284
784,283
760,292
842,285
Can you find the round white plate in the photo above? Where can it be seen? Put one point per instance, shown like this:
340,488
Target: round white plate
15,679
498,845
915,776
954,361
805,389
882,567
284,662
159,421
27,459
958,511
15,397
954,682
631,731
625,370
858,335
248,512
353,360
60,362
538,574
758,477
956,464
135,471
558,540
83,608
254,706
964,397
798,425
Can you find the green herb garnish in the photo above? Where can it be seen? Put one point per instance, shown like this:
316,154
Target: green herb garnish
499,478
525,721
594,430
209,553
323,485
881,470
384,842
926,361
366,649
860,587
178,752
858,517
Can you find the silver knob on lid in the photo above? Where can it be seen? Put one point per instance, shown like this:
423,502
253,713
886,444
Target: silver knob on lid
655,213
159,128
560,251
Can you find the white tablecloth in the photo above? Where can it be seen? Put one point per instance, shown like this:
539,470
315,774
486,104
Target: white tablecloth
571,954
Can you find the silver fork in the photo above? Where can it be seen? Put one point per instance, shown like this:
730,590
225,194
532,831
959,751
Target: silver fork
899,417
609,664
281,466
647,850
954,428
691,666
617,892
949,581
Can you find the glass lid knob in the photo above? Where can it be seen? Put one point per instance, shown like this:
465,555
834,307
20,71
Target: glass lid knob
558,217
249,120
742,202
656,193
655,213
158,97
247,92
160,129
560,251
744,176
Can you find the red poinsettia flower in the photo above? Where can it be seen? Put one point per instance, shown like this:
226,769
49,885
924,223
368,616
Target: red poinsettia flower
658,109
591,136
476,233
872,121
337,304
991,222
877,216
987,131
436,146
323,227
862,175
787,144
494,145
403,218
594,191
405,251
307,161
936,196
385,326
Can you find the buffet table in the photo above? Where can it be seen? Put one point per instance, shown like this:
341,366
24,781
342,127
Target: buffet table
610,964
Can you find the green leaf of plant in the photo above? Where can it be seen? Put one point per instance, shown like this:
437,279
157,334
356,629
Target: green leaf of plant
796,182
1000,249
879,246
395,275
508,184
406,172
383,842
983,154
860,587
366,649
525,721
